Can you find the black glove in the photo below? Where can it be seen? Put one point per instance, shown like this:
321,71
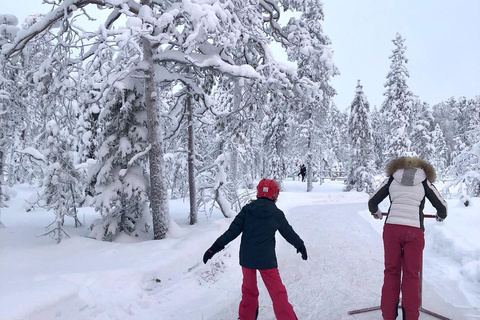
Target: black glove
303,251
211,252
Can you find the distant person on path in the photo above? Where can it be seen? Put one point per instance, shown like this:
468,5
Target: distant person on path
303,171
258,222
409,182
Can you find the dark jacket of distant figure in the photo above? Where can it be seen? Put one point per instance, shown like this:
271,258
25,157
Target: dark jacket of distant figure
258,222
303,170
409,182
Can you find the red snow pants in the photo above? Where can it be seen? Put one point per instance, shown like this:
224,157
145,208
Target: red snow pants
403,254
249,304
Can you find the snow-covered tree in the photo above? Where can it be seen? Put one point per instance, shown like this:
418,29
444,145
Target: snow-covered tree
166,44
121,183
309,47
62,188
466,165
160,41
439,156
12,110
335,153
378,134
397,108
421,134
361,167
446,114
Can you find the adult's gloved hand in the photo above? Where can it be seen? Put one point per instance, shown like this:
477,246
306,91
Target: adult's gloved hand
378,214
211,252
437,217
303,251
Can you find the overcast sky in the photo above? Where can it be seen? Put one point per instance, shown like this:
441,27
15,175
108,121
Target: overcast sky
442,39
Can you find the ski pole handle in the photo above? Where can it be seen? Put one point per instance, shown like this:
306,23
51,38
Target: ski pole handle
425,215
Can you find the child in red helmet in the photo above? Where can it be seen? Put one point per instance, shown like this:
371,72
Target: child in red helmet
258,222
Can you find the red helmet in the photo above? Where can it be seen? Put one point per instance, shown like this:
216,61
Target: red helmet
267,189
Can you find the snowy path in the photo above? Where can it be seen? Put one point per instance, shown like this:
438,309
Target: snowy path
344,253
82,278
341,273
344,271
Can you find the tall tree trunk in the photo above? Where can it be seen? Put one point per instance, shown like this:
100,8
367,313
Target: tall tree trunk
158,192
191,163
234,152
309,163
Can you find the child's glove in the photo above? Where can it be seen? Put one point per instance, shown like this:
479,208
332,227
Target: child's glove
437,217
211,252
378,214
303,251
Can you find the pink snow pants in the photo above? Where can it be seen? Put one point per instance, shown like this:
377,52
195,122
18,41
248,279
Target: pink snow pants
249,304
403,253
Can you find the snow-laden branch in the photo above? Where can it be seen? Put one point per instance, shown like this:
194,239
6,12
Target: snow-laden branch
34,153
213,61
274,14
135,158
65,9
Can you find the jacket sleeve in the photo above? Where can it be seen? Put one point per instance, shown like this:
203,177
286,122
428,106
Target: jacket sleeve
288,233
435,198
236,227
379,195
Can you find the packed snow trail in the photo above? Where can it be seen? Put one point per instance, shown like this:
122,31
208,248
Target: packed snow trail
321,287
344,270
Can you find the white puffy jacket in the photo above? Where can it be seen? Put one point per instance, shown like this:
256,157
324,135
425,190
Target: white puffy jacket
409,183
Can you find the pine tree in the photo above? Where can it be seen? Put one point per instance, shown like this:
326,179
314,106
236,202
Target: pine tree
378,134
309,47
62,190
440,152
397,108
446,114
421,134
361,167
466,165
121,181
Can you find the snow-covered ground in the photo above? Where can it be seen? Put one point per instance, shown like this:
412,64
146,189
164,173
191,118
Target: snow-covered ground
83,279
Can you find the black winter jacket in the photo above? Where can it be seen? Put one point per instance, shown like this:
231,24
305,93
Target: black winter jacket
259,221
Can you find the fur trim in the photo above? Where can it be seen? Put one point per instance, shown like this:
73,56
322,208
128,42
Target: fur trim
412,162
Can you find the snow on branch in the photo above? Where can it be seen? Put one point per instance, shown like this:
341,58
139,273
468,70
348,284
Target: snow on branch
210,60
65,9
34,153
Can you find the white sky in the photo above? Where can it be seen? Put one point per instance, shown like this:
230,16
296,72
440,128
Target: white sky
442,39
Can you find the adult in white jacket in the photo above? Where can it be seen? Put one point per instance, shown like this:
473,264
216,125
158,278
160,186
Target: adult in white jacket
409,182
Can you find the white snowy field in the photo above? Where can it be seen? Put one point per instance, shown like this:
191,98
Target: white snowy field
83,279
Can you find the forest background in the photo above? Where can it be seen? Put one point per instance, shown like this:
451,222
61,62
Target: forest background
181,99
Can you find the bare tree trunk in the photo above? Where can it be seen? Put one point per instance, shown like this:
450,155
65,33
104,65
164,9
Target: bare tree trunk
74,207
309,164
234,151
191,163
158,192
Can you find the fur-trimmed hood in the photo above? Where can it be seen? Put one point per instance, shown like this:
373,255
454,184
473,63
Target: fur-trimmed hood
411,162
